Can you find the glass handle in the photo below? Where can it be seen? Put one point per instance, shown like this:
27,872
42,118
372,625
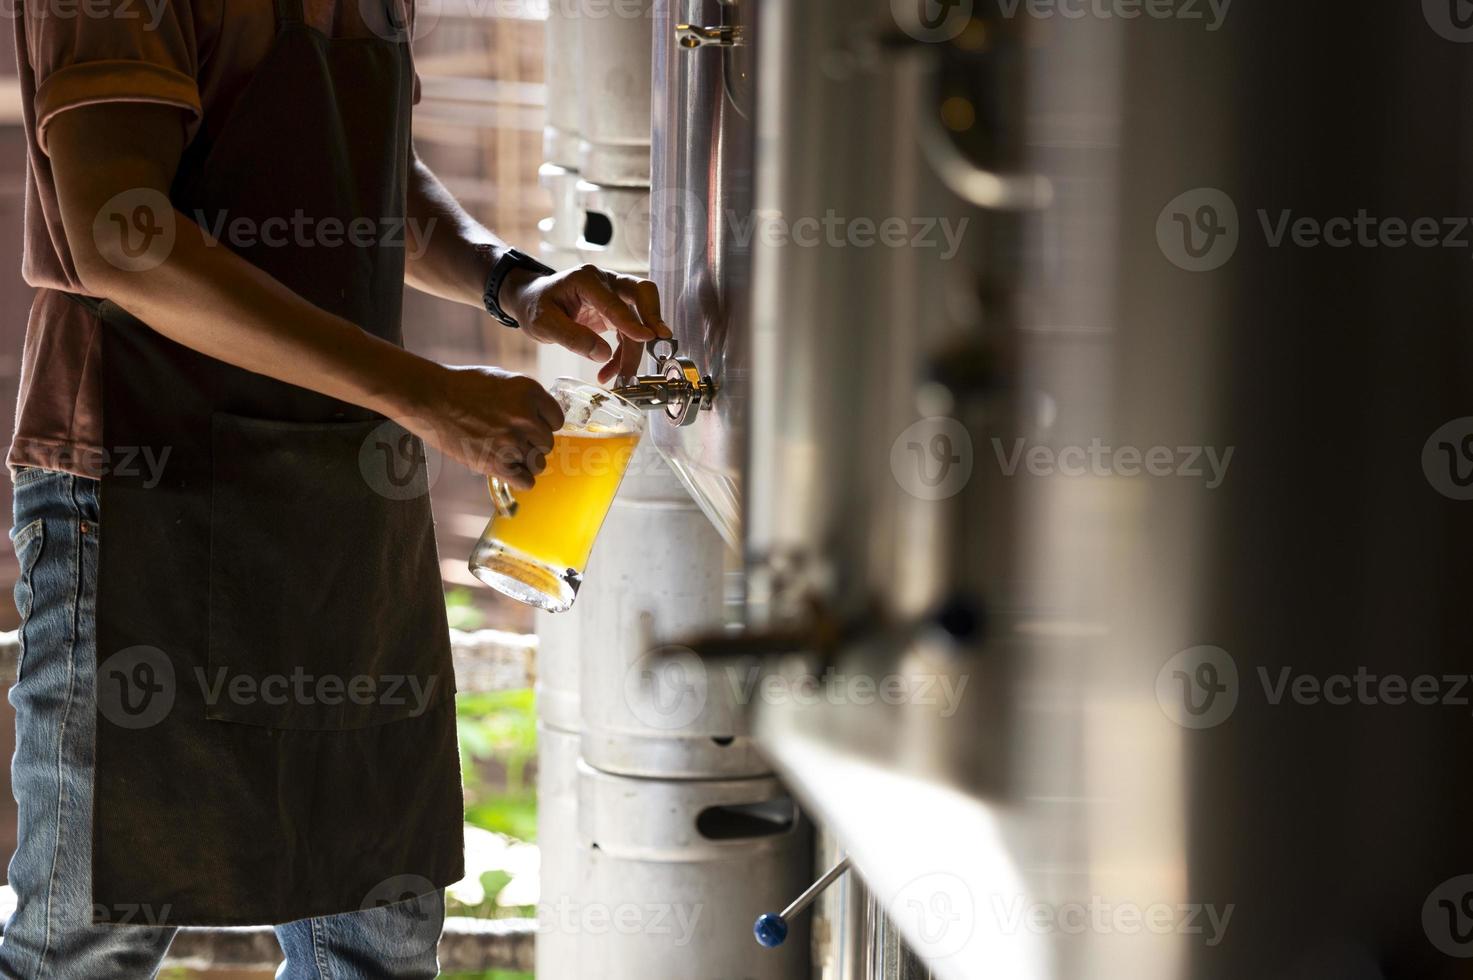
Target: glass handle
506,504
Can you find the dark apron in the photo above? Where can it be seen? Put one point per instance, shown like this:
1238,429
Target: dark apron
276,720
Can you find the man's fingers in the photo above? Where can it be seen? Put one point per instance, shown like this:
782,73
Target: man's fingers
625,363
644,296
544,406
536,435
574,336
510,464
596,291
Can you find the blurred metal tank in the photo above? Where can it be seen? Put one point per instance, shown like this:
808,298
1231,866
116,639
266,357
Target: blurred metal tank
701,228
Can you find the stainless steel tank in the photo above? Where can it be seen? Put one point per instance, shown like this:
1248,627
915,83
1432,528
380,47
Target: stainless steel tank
561,139
614,60
680,870
616,227
701,221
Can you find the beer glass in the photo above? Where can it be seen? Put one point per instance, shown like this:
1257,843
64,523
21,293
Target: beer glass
537,544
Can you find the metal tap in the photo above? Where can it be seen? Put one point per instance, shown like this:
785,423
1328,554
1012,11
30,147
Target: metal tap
697,36
677,386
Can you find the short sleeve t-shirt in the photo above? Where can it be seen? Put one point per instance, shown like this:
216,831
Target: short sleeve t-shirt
194,55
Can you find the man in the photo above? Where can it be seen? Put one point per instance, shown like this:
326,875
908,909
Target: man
235,699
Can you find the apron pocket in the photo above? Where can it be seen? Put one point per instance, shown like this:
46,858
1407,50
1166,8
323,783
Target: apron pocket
326,610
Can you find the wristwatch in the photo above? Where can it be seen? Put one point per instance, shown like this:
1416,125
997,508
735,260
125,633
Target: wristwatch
509,260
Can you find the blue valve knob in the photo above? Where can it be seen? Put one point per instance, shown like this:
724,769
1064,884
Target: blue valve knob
770,929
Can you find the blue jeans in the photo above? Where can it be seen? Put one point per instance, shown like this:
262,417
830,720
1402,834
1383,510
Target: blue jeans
51,935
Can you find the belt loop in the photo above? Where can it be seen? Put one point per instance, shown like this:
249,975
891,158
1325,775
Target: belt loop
289,12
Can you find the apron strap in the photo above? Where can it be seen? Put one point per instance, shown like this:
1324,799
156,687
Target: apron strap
289,12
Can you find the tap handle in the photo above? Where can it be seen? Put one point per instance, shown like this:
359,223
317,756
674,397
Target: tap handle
771,928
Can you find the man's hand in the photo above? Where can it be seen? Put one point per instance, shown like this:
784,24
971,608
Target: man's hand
572,308
495,422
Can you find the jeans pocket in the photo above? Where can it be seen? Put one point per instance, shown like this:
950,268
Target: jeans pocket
28,543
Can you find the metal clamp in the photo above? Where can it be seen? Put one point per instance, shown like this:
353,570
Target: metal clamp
694,36
677,386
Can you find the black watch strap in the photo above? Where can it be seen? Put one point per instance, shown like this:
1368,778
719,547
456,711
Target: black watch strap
509,260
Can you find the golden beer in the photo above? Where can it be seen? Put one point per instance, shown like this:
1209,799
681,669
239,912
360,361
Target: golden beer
536,547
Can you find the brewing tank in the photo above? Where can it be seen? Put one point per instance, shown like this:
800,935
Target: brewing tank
701,227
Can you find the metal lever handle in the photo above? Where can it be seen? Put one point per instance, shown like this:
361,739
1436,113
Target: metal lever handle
771,929
693,36
679,387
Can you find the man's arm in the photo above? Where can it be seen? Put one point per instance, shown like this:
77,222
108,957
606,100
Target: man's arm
204,296
569,309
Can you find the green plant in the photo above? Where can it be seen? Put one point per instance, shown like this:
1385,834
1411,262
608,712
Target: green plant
498,739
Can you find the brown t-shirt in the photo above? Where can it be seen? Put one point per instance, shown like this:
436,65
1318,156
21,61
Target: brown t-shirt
196,55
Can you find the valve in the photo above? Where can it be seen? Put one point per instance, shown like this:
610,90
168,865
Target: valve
771,928
677,386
